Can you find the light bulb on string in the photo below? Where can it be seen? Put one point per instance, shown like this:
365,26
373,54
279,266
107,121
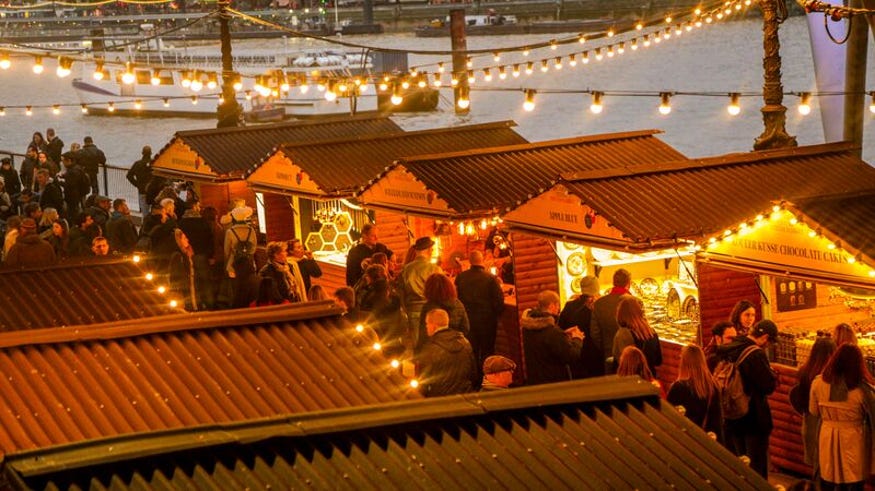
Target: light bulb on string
212,81
557,63
331,92
138,104
454,82
634,45
515,71
56,109
646,41
610,33
396,99
529,103
28,110
502,72
584,57
598,54
544,66
5,62
405,84
155,79
2,111
610,52
38,65
440,68
525,52
196,83
596,106
805,103
238,82
872,102
84,108
664,103
437,80
496,57
128,76
553,44
639,25
668,19
471,79
65,66
530,67
463,102
110,107
572,60
469,62
734,108
487,75
621,48
99,73
581,38
194,100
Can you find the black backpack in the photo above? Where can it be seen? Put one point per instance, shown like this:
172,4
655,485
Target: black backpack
244,250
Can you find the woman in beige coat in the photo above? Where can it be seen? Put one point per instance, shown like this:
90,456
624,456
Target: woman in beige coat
842,398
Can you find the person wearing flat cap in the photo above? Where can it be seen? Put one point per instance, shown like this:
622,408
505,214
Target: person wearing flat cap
29,251
497,373
578,312
412,281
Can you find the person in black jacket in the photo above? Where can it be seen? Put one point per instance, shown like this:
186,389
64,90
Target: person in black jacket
91,159
548,351
76,185
50,193
578,312
10,178
139,176
480,293
445,364
749,435
302,259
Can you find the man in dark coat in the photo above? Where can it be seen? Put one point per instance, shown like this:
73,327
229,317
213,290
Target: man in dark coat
120,229
446,362
76,185
54,145
50,193
480,293
91,159
139,176
367,247
603,326
549,352
749,435
578,312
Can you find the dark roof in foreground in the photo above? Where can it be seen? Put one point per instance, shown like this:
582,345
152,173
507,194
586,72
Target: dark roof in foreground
75,293
68,386
848,217
229,152
692,198
341,167
491,180
597,434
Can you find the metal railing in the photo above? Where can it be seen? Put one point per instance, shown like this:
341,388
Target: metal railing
112,178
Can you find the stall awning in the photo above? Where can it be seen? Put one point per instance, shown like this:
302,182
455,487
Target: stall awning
490,181
225,154
650,207
339,168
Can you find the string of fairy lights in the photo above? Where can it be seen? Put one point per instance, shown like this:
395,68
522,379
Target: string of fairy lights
572,52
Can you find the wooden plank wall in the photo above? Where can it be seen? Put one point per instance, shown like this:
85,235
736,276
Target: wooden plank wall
667,373
392,231
534,264
279,217
220,195
785,442
719,290
333,277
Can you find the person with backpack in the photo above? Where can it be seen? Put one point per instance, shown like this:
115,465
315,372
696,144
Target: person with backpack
744,380
240,244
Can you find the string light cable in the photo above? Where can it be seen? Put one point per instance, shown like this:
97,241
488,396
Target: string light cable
835,12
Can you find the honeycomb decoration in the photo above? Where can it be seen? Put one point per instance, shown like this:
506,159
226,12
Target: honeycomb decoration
333,235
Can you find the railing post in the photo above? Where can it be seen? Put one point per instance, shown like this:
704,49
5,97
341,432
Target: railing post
105,181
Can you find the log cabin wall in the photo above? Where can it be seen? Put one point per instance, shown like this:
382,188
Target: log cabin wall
279,217
392,231
785,442
534,264
719,290
220,195
333,277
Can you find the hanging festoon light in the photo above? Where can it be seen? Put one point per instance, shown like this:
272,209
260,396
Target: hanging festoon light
194,100
544,66
557,63
28,110
530,67
529,103
664,103
166,101
805,103
99,71
84,108
110,107
155,79
734,108
56,109
572,60
464,102
5,62
237,82
196,83
596,106
128,76
471,79
469,63
213,81
396,99
496,57
872,102
502,72
437,80
138,104
487,75
331,92
2,111
515,71
38,65
65,66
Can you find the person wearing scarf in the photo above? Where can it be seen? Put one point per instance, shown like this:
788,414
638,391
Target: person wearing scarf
289,285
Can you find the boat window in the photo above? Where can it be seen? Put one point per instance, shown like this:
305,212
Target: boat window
144,77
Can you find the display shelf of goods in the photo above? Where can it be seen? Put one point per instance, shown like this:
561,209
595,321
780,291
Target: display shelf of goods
343,221
670,308
804,340
343,242
314,241
328,232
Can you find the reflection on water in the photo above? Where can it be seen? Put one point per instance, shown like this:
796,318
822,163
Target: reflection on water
723,58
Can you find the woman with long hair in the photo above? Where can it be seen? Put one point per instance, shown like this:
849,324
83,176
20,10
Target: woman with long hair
842,397
844,333
636,331
695,391
633,362
743,316
440,293
60,238
820,354
44,227
182,272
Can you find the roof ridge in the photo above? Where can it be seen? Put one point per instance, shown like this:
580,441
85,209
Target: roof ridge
576,140
121,447
391,136
730,159
169,323
271,126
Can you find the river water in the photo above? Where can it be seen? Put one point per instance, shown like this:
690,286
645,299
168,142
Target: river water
725,57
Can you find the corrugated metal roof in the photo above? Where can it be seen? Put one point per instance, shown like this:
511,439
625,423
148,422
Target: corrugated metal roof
345,166
688,199
579,435
851,218
496,179
76,293
64,386
230,152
